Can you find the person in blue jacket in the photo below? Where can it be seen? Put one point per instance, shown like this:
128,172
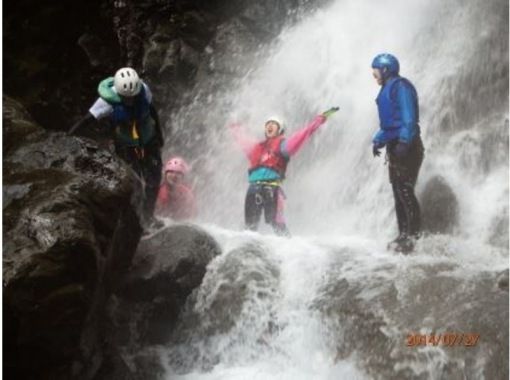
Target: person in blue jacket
399,132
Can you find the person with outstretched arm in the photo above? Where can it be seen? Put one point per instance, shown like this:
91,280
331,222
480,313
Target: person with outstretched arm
268,163
399,132
127,102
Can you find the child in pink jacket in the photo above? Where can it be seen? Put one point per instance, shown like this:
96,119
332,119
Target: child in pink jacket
268,164
175,198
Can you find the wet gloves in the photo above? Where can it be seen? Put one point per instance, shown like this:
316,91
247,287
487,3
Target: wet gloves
401,149
376,149
330,112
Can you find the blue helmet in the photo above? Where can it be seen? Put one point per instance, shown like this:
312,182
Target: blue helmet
387,63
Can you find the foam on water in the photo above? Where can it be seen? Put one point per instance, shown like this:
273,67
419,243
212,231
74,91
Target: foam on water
339,206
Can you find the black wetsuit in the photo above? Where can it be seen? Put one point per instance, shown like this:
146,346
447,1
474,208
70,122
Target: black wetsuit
268,198
403,173
147,166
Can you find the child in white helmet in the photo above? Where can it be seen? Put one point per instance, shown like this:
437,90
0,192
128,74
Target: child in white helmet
175,198
268,164
126,101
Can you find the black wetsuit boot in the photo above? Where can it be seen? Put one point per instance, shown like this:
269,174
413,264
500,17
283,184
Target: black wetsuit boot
152,166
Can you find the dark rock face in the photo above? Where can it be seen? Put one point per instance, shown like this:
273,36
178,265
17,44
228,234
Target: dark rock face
73,297
65,199
143,309
439,206
47,69
166,268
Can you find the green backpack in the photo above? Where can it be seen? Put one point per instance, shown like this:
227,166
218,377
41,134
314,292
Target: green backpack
106,92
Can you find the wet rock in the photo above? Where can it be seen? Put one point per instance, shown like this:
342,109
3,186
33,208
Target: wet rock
166,269
248,280
255,16
180,252
439,207
245,270
65,201
97,52
47,69
190,60
161,52
144,308
18,126
377,326
234,43
503,280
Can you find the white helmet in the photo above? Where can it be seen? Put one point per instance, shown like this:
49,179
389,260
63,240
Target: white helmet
126,82
278,121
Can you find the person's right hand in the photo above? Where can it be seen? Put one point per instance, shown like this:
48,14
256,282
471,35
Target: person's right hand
376,149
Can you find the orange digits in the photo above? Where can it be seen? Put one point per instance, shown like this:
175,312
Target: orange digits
471,340
434,340
448,339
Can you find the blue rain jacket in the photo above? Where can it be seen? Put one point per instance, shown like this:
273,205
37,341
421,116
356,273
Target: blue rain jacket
398,108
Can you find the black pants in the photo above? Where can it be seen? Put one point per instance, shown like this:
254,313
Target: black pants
267,198
146,163
403,173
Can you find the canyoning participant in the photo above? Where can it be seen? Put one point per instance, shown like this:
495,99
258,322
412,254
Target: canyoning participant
175,198
399,132
126,101
268,164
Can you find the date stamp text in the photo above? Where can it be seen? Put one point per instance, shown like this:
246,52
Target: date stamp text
449,339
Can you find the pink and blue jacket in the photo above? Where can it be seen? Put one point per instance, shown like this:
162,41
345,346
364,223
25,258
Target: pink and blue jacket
288,148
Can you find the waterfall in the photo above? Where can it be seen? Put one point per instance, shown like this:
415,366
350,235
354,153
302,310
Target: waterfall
458,63
331,302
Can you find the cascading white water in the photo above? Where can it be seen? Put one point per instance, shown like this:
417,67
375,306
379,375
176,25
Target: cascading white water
286,322
334,185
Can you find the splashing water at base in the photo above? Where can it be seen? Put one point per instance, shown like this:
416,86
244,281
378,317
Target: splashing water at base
270,308
331,303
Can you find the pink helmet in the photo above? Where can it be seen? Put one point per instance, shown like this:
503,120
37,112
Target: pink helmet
176,164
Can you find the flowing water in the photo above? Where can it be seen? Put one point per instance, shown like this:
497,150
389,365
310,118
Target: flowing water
331,302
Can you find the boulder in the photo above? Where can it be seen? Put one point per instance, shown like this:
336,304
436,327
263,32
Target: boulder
439,207
142,311
376,326
65,201
241,283
502,280
166,269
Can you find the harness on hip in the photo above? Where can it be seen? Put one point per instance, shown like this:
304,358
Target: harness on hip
274,183
139,151
262,186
